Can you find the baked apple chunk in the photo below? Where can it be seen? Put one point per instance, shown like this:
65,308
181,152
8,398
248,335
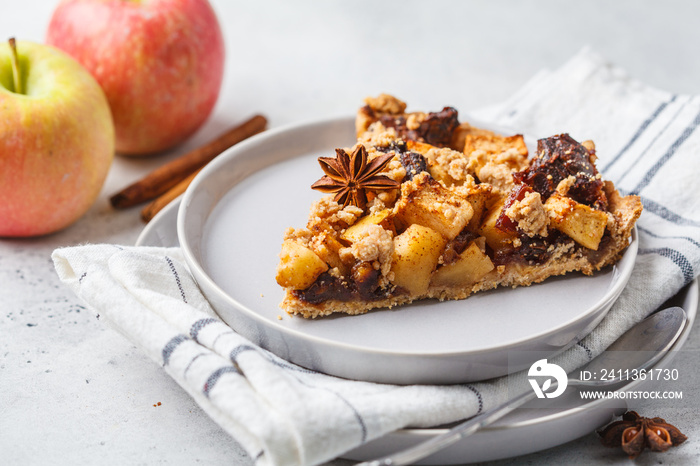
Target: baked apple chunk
425,206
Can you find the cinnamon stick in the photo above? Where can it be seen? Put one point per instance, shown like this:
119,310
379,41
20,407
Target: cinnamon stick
167,176
164,199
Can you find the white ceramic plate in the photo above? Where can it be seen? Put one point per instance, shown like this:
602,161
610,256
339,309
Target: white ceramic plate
522,431
230,226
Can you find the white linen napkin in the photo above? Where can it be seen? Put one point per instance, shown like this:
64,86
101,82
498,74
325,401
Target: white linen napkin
283,414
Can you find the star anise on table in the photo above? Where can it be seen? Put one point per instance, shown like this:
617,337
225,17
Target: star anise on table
634,433
351,176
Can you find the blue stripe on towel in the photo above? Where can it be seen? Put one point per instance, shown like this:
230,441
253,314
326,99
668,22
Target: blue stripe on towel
654,235
679,259
666,213
171,345
639,132
199,325
215,376
667,156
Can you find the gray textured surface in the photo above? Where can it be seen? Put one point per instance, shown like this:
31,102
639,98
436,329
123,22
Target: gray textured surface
74,391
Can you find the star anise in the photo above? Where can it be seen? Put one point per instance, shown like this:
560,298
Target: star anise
634,433
351,176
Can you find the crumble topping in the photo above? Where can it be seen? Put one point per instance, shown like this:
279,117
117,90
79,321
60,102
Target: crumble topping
497,175
512,157
375,245
385,103
377,135
529,215
454,164
466,189
414,121
565,185
497,169
299,235
327,214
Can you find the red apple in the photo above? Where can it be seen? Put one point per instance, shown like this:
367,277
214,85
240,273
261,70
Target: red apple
160,62
56,140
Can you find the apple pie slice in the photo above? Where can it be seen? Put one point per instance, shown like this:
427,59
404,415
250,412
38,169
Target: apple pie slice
423,206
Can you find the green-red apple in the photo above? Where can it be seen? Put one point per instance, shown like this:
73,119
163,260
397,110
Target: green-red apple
160,63
56,140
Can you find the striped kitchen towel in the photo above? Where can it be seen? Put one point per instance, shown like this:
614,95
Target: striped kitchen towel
647,142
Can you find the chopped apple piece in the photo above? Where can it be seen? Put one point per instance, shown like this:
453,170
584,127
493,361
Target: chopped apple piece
479,197
580,222
470,267
420,147
299,266
416,253
328,249
439,171
357,230
494,143
425,202
495,237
